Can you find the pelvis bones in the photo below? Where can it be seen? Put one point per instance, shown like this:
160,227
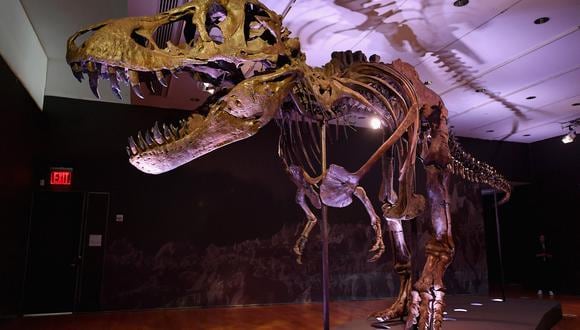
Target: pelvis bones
258,73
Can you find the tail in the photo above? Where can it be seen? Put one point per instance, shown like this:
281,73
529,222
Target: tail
471,169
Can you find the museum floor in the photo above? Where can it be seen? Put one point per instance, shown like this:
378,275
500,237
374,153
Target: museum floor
291,316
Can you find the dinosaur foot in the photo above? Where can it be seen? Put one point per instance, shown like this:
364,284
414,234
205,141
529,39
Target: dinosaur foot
426,310
396,311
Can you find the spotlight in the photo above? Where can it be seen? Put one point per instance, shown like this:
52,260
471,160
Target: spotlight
375,123
569,138
460,3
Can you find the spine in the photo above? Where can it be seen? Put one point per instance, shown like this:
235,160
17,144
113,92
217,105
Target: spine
471,169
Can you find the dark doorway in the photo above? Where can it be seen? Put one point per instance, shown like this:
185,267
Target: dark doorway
59,238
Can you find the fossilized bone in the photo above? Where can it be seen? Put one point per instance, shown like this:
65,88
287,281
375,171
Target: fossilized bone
259,73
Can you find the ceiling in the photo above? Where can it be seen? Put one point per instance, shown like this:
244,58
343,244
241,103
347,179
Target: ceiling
486,59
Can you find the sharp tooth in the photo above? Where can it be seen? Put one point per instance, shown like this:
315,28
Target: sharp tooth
77,71
141,142
133,77
161,78
148,139
114,82
174,75
134,81
167,133
157,136
133,145
123,75
93,78
78,75
94,83
137,91
150,86
174,131
104,73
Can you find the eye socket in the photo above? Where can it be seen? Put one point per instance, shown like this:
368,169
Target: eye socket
190,30
139,39
253,29
214,16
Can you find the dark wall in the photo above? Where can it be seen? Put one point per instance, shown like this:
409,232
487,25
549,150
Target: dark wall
18,144
511,159
555,209
547,202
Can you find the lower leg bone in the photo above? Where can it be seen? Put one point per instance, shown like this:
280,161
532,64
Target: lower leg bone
310,222
378,247
402,260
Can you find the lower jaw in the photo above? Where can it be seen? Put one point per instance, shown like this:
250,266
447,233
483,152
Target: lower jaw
218,130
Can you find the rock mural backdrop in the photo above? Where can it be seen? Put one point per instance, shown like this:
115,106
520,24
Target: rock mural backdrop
180,273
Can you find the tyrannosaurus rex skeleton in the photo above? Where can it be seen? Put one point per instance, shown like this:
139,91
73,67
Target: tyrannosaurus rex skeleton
259,73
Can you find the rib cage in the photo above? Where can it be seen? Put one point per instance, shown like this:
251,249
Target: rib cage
300,141
301,114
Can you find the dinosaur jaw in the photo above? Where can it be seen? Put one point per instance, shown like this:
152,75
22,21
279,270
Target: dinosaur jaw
239,114
196,137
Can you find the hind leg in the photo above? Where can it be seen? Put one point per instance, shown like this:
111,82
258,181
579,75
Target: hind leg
426,307
402,259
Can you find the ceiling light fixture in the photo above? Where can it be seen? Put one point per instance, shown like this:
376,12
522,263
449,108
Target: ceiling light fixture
489,131
576,104
530,97
571,126
569,138
375,123
460,3
541,20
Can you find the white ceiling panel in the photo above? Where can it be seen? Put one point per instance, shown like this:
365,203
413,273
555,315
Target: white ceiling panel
553,103
524,74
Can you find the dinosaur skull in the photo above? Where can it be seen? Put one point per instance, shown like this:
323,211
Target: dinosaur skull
237,48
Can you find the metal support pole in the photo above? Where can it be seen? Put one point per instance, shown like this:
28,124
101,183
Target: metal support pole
502,285
324,237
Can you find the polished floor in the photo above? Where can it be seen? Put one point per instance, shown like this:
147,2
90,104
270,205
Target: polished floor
291,316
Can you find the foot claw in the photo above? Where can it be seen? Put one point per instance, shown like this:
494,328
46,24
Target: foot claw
379,252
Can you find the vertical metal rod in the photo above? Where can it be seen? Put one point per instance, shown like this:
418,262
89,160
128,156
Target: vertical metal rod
501,280
287,9
324,237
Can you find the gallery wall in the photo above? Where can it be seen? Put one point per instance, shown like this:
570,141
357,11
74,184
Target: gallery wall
550,207
21,123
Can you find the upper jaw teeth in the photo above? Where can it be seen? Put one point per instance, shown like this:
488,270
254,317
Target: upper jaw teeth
114,74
